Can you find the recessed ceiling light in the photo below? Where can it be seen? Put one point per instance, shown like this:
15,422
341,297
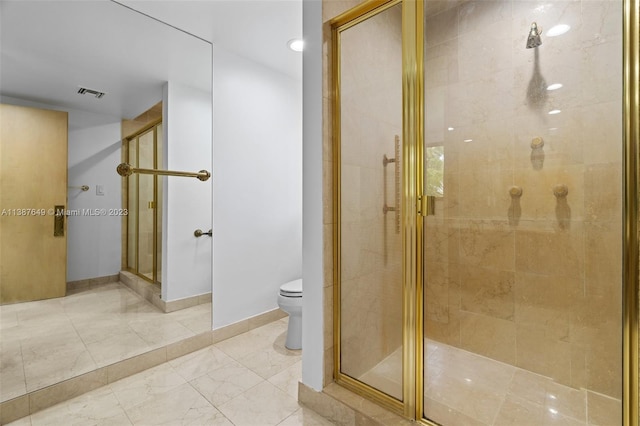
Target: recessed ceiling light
554,111
468,140
450,129
554,86
558,30
296,45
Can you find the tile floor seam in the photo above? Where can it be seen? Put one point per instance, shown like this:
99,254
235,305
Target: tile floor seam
217,407
586,409
123,409
82,340
24,374
504,398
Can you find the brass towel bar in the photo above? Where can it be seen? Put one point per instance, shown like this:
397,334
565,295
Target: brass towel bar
125,169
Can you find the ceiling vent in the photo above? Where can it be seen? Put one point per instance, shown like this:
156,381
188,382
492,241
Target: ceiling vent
85,91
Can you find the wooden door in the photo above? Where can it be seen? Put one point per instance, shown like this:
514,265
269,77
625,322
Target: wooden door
33,181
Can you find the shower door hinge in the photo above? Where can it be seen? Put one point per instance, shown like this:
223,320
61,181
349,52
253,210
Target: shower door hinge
426,205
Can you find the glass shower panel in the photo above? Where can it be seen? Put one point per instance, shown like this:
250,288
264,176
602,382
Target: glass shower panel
523,280
370,185
146,205
132,217
159,181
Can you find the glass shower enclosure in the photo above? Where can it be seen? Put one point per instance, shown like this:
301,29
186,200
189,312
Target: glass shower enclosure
485,207
144,222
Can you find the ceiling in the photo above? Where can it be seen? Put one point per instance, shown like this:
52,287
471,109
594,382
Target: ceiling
258,30
50,48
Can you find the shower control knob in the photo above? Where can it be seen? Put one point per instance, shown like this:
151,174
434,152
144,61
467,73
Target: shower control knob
560,190
515,191
537,143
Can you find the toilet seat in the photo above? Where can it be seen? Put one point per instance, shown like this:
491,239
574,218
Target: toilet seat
291,289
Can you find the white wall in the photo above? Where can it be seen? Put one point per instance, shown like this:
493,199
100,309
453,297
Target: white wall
93,242
312,301
257,178
186,202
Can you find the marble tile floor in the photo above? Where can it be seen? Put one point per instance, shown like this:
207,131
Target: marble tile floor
249,379
463,388
48,341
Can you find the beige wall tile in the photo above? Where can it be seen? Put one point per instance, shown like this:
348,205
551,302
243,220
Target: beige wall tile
603,410
446,332
487,291
328,366
540,353
547,302
492,337
603,251
328,316
327,254
487,245
549,252
602,198
442,240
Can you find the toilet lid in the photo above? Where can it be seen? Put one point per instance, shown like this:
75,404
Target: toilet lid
292,288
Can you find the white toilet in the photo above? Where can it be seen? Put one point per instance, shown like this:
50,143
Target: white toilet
290,301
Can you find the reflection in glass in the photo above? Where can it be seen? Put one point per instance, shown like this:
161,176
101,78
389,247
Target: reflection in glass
144,227
132,217
146,206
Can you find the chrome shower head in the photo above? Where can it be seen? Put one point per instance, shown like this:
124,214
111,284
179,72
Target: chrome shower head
534,36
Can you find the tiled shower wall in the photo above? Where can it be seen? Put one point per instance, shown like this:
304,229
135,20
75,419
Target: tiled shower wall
531,280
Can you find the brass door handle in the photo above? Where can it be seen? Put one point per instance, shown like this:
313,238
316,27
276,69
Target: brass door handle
198,233
58,221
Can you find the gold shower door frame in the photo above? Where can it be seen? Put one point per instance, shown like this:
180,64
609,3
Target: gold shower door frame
413,197
151,127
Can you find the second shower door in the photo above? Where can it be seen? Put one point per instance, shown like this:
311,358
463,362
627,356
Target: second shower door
368,202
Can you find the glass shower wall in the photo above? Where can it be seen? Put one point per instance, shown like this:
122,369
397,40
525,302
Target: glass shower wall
132,216
370,272
146,207
144,222
158,201
523,283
